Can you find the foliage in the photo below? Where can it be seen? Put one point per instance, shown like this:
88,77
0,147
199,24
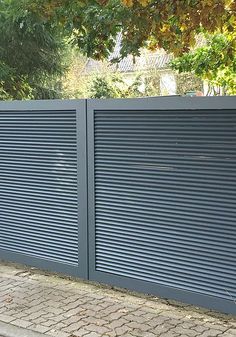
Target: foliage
188,82
115,86
215,62
83,80
93,24
32,39
30,54
75,83
103,88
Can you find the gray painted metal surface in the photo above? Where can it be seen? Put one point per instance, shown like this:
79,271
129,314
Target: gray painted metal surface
162,197
152,181
40,176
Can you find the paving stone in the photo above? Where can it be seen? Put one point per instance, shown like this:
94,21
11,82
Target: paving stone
22,323
96,328
200,328
117,323
170,334
161,329
21,315
139,326
74,326
58,333
211,333
187,332
122,330
35,315
117,315
215,326
150,334
63,308
39,328
39,320
6,318
159,320
94,334
70,320
232,332
80,333
49,323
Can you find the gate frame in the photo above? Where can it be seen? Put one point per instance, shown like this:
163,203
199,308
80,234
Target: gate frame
150,103
79,106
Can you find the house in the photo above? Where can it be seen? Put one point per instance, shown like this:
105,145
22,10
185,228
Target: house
130,67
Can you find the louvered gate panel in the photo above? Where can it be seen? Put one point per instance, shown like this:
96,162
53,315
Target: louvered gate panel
38,187
165,202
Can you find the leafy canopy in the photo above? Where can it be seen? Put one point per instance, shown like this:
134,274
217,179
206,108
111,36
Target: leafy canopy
30,53
215,62
172,25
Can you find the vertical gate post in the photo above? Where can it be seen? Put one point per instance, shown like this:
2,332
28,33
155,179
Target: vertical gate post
81,120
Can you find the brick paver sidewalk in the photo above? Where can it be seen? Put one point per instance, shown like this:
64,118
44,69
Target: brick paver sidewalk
68,308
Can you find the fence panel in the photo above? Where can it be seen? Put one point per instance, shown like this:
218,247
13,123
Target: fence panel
161,193
42,179
162,197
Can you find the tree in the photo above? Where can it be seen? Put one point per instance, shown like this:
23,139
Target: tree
93,24
215,62
103,88
30,54
188,82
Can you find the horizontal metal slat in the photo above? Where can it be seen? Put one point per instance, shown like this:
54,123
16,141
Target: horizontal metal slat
166,180
153,172
162,190
172,152
44,143
41,150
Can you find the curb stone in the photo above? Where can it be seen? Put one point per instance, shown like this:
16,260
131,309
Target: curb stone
9,330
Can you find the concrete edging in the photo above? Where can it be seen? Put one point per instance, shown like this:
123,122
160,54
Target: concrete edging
10,330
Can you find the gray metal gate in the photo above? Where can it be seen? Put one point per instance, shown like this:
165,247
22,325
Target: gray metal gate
42,168
159,203
162,197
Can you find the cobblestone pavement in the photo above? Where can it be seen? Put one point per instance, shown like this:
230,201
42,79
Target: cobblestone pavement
63,307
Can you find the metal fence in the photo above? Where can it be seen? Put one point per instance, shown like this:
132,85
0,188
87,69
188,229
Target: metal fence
138,193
